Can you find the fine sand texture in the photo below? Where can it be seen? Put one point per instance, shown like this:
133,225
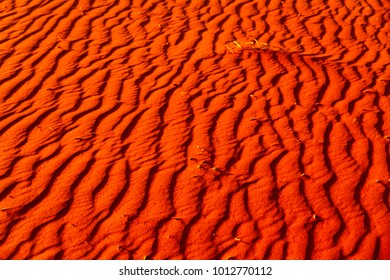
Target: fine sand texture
178,129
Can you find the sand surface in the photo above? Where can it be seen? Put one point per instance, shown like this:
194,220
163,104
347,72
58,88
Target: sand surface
141,130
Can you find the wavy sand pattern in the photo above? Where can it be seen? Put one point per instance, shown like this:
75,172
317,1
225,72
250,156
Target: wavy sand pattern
128,131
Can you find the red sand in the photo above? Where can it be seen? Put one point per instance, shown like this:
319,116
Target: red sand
128,131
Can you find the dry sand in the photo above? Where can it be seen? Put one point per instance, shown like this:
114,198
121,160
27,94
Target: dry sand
128,130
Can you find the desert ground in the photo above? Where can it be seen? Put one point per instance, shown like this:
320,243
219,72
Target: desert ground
221,129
